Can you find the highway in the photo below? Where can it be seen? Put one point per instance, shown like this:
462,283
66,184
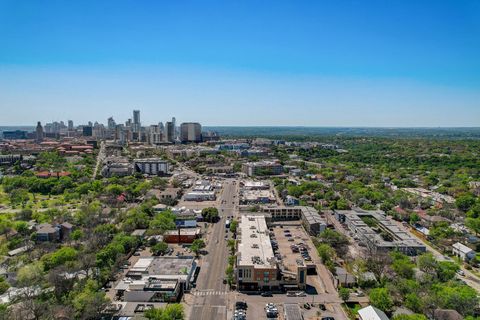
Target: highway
211,294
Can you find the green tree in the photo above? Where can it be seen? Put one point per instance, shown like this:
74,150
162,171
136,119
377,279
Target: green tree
447,270
197,245
380,298
210,214
325,252
89,302
172,311
233,226
465,202
462,298
59,257
473,224
159,248
344,294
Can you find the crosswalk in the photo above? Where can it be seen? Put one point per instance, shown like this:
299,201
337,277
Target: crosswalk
201,293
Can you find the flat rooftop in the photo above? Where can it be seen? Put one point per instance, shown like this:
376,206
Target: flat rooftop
255,248
163,265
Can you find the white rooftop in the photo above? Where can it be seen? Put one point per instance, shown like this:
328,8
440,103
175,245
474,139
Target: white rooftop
255,248
372,313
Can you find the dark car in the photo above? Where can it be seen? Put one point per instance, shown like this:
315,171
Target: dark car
267,294
322,307
240,305
328,318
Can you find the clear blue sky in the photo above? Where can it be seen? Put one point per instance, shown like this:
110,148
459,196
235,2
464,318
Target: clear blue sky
312,63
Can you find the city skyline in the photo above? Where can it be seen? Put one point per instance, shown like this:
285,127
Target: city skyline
348,64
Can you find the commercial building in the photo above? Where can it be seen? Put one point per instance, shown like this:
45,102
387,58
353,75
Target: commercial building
257,268
381,234
152,166
249,197
200,196
256,264
187,235
262,168
158,279
254,185
311,219
15,135
190,132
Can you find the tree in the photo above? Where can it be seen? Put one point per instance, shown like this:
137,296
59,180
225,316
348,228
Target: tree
89,302
447,270
233,226
325,252
30,275
172,311
465,202
159,248
473,224
459,297
415,316
77,235
344,294
197,245
427,263
210,214
59,257
402,265
380,298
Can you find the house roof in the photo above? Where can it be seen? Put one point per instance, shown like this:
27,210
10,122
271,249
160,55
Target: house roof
462,248
372,313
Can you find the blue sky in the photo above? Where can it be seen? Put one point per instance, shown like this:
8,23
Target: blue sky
312,63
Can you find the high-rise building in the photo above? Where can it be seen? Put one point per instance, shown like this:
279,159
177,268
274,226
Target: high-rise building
190,132
39,132
136,121
70,125
111,123
169,132
174,123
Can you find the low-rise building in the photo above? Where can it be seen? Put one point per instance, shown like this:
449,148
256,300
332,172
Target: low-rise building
381,234
262,168
200,196
158,279
181,235
311,219
152,166
462,251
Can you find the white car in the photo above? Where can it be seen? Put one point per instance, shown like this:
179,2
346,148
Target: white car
301,294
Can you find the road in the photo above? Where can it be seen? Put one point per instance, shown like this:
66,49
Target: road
211,294
100,157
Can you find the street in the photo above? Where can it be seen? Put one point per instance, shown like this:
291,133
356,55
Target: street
211,294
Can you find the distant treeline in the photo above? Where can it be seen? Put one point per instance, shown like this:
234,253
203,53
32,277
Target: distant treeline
306,133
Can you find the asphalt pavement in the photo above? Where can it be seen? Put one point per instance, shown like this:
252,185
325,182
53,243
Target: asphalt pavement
211,293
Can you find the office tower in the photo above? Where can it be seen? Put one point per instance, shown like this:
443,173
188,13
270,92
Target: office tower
190,132
169,132
160,126
174,123
70,125
136,121
39,132
90,124
87,131
111,123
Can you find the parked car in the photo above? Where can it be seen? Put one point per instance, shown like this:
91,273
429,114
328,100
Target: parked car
267,294
300,294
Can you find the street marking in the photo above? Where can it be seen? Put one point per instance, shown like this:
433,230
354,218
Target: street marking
209,293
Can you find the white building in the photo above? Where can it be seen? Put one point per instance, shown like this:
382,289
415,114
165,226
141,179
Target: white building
372,313
462,251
